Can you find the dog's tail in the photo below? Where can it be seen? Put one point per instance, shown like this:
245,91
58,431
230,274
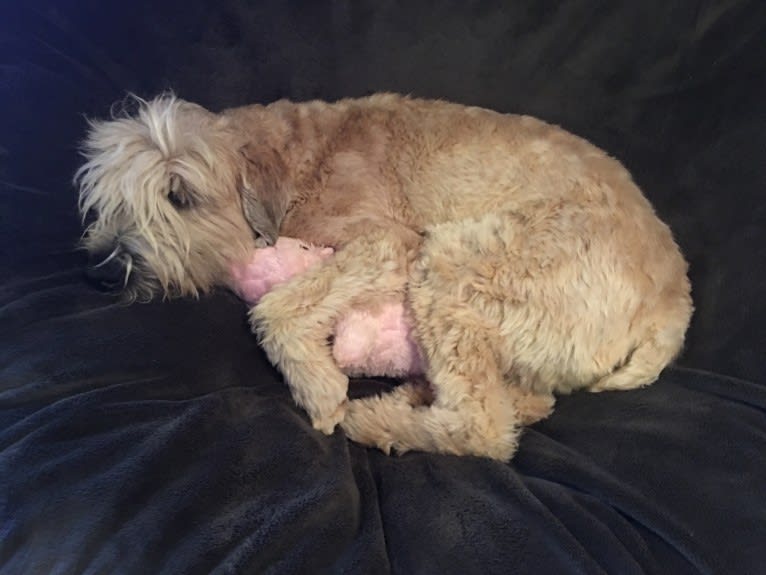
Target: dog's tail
660,346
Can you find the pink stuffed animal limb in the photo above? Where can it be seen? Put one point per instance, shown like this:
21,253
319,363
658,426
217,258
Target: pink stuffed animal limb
378,343
274,265
369,343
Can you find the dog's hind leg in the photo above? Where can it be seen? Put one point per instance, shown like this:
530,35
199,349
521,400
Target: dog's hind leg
399,421
472,413
460,293
473,410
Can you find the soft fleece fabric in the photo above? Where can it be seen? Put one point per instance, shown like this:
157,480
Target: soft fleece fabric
157,439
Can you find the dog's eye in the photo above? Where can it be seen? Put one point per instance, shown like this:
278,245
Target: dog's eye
177,195
178,200
304,247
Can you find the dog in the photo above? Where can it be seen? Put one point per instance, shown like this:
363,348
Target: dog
530,260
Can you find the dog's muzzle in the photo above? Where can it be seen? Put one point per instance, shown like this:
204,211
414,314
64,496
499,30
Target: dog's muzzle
109,269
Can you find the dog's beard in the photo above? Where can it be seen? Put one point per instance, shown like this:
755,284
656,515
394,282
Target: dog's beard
140,285
126,275
122,264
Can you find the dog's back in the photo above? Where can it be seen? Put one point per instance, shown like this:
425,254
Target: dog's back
588,287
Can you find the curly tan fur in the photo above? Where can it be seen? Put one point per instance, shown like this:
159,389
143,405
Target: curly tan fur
530,260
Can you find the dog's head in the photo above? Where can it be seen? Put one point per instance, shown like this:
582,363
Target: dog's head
170,198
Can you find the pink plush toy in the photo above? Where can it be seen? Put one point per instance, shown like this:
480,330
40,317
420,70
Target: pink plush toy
366,343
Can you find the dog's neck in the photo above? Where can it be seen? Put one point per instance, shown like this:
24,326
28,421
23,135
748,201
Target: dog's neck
299,132
299,137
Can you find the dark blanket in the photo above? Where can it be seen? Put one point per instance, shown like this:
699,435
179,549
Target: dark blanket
157,439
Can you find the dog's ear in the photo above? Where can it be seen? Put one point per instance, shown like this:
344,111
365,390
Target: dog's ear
263,190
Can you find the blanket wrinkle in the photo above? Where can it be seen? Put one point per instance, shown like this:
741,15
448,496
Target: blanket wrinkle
604,525
615,495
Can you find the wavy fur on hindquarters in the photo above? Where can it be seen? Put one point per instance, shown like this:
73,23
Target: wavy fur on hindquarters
496,351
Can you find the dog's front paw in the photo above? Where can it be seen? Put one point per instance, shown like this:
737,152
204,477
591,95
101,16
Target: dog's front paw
327,423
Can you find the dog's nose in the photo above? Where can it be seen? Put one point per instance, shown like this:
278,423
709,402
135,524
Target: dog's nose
106,269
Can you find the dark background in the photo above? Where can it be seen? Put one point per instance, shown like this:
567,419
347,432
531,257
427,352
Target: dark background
156,438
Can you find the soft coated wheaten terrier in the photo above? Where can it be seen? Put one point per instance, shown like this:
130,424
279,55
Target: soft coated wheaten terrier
530,260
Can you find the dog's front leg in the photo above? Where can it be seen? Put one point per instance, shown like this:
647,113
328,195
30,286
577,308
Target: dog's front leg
294,340
294,321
